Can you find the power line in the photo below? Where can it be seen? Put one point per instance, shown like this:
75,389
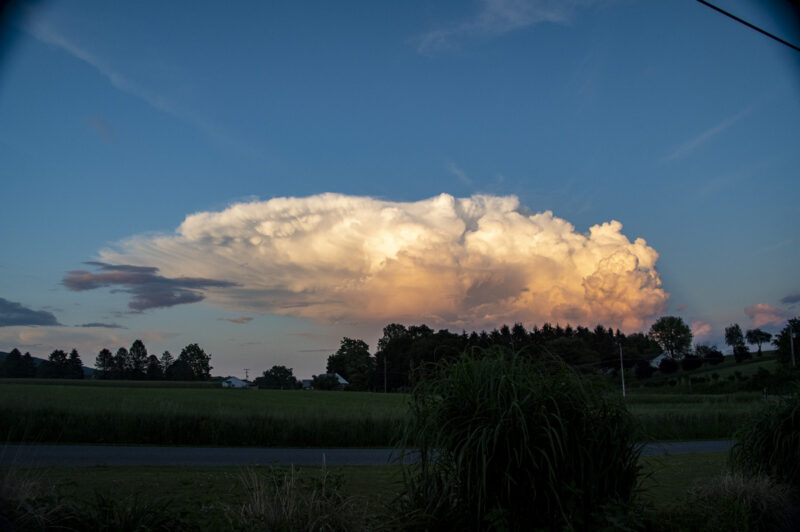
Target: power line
737,19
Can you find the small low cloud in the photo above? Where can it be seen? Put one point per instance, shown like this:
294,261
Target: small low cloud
240,319
681,307
791,299
764,314
13,314
102,325
148,289
700,329
495,18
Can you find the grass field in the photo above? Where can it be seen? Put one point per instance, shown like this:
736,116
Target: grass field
90,414
196,416
207,493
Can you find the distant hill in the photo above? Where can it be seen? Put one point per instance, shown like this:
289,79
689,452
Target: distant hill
87,372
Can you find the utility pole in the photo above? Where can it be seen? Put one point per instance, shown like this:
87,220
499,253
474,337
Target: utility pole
246,374
622,370
791,343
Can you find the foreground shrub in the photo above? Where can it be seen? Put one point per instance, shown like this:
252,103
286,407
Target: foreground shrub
731,503
770,442
279,500
509,443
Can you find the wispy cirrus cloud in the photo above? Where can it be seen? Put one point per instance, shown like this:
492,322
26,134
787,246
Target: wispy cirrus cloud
692,144
48,34
466,262
764,314
148,289
13,314
495,18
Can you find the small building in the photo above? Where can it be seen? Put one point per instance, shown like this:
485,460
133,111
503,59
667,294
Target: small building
342,381
306,384
656,362
233,382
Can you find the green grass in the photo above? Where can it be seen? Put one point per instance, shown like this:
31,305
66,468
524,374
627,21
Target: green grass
691,417
103,414
123,414
668,478
205,492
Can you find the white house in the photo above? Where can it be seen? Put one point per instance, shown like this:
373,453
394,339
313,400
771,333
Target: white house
233,382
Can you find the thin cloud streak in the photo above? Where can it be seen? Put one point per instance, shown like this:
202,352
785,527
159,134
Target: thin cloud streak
48,35
689,146
496,18
240,320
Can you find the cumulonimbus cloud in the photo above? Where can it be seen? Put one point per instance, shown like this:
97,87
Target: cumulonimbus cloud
149,290
458,261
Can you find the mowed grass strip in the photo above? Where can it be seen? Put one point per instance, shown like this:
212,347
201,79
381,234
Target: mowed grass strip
267,418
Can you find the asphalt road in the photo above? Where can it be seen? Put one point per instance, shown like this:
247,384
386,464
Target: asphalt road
113,455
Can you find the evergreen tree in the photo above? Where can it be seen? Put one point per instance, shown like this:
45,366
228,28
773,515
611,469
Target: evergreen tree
74,365
104,364
138,360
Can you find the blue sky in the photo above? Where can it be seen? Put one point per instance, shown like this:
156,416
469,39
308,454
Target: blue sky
119,121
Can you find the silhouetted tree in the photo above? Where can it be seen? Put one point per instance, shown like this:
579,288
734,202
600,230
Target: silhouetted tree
166,361
28,366
277,378
180,370
353,362
672,334
735,339
782,341
74,365
55,367
138,360
154,371
122,364
758,337
643,369
104,364
668,365
711,355
690,362
11,367
197,360
324,382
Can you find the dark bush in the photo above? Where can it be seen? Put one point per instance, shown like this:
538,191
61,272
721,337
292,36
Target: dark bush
643,369
710,355
691,362
508,443
668,365
770,442
730,503
741,353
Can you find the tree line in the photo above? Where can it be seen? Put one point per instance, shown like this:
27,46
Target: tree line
130,364
402,351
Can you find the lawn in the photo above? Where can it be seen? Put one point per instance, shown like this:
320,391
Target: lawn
207,494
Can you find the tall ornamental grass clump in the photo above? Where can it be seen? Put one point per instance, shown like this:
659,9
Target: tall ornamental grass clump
506,442
769,444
